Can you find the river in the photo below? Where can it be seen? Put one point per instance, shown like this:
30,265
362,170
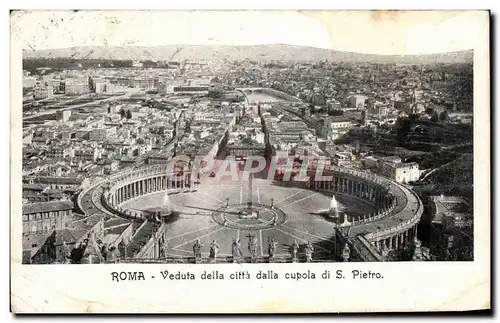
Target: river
257,97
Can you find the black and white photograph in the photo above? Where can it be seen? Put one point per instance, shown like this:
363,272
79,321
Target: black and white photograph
243,138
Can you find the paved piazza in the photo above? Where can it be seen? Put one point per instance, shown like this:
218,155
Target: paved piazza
298,213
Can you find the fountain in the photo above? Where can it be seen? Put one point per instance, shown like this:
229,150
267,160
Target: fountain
167,205
164,210
249,215
334,208
333,204
334,212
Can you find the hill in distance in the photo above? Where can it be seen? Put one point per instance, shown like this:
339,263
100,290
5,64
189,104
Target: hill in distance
278,52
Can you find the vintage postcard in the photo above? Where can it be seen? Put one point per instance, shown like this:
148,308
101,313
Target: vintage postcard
250,161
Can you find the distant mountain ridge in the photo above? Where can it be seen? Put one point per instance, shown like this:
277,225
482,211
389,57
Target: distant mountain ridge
278,52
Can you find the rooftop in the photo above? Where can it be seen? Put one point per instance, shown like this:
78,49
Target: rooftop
51,206
113,222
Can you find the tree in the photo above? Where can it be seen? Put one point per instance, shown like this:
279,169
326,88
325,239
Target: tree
129,114
434,117
402,128
335,113
443,116
311,109
122,113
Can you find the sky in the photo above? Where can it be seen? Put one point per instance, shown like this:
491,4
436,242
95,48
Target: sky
357,31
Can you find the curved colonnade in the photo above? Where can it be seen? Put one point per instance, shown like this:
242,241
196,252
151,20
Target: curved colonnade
393,225
142,181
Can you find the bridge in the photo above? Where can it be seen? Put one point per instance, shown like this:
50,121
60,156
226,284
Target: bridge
277,95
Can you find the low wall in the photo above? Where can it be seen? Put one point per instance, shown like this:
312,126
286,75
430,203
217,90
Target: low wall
281,95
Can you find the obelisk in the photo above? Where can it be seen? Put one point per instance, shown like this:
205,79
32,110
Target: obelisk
249,201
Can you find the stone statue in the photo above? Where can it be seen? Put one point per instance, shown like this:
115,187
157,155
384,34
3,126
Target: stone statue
197,249
163,248
295,249
214,249
103,249
272,247
252,246
236,251
309,251
122,248
346,252
64,253
417,253
111,254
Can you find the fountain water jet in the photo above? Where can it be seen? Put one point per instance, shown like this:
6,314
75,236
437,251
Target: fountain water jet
167,204
333,204
165,209
334,212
